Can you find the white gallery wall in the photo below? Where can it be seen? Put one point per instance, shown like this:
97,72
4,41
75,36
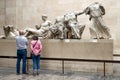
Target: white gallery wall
27,13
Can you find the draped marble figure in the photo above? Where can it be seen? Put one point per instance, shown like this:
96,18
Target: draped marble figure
98,29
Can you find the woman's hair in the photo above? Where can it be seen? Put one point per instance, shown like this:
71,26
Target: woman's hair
35,37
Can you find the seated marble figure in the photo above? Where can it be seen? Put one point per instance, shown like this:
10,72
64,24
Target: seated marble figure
58,30
67,27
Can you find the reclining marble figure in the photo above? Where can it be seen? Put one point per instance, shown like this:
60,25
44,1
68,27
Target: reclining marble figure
9,32
41,31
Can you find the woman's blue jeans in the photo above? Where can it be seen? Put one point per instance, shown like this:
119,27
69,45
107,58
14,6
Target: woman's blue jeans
21,54
36,62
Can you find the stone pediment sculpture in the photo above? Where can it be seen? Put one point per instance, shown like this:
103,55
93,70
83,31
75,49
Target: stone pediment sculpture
98,29
66,26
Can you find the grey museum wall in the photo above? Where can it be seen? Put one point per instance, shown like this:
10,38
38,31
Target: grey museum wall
27,13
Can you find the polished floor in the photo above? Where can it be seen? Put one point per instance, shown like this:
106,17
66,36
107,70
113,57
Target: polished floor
9,74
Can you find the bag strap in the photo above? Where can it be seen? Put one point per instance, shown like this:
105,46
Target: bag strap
35,43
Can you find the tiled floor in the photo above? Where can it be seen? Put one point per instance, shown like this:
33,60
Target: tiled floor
9,74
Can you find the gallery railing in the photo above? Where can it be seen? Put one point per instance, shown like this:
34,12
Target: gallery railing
116,55
68,59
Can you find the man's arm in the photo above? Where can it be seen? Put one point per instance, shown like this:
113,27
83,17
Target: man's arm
26,41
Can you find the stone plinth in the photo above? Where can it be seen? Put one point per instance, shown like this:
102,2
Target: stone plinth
78,49
69,48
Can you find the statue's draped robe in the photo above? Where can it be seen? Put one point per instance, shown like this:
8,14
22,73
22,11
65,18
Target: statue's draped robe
98,28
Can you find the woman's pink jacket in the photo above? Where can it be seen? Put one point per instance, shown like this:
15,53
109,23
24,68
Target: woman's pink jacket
36,48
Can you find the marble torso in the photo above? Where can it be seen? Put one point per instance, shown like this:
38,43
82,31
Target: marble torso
95,10
45,25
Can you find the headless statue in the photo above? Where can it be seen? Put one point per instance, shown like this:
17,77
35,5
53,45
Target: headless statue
98,29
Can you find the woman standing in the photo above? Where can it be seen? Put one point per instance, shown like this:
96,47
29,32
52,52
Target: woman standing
36,48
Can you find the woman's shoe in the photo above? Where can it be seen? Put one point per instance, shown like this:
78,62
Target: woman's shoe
34,74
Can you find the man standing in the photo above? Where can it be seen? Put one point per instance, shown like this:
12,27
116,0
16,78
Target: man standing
21,43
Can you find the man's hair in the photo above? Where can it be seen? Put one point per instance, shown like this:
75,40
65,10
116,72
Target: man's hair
21,32
35,37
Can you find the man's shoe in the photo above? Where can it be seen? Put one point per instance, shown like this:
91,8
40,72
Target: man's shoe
38,73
